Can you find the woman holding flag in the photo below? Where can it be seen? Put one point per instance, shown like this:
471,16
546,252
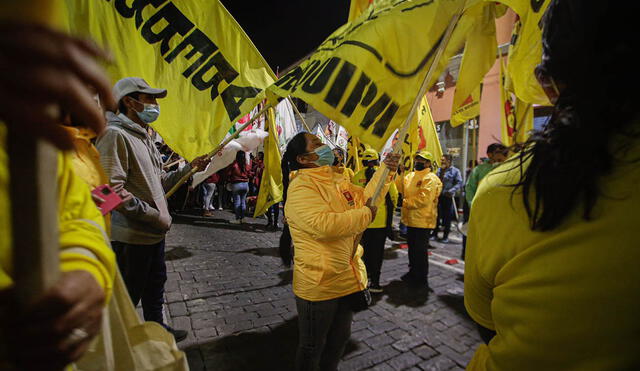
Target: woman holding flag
326,214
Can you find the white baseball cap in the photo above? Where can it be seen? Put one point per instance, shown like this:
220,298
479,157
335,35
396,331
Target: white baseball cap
130,85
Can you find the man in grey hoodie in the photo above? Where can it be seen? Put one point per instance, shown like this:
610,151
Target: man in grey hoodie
132,161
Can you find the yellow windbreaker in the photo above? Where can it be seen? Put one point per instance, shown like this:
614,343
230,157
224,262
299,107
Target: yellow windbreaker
420,191
326,213
345,171
81,226
380,221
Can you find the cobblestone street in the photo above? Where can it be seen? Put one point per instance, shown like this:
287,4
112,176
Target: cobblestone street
228,287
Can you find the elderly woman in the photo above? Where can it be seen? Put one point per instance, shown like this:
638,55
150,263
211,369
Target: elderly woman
326,213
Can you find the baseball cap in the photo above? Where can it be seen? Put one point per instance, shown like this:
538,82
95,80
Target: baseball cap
130,85
370,154
425,155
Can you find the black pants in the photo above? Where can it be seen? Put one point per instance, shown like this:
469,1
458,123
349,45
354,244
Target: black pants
373,240
418,240
445,214
324,328
145,273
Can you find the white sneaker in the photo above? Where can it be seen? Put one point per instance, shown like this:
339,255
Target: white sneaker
235,221
220,208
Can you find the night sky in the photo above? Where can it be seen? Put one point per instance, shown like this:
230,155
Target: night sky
287,30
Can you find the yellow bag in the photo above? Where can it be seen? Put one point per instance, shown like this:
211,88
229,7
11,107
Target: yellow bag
128,343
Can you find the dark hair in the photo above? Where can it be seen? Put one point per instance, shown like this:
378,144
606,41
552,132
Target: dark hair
448,157
241,159
297,146
586,45
496,147
122,108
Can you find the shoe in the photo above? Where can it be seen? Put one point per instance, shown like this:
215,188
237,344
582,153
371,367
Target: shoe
268,226
375,288
406,277
235,221
433,238
444,240
429,246
220,208
179,335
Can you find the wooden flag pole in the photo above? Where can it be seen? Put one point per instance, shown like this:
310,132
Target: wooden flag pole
295,108
226,141
397,148
33,165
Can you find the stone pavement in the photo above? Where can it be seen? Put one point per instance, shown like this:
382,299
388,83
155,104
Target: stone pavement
228,287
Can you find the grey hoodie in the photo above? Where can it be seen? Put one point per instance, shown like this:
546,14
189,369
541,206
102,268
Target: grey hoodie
130,158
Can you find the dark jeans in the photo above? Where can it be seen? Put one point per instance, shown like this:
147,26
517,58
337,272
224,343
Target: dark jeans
418,240
445,215
239,191
373,240
145,273
324,328
273,214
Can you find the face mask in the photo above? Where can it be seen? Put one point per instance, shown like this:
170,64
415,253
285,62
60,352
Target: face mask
419,166
149,113
325,155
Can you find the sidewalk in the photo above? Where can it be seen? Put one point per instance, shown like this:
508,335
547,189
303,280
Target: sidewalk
228,288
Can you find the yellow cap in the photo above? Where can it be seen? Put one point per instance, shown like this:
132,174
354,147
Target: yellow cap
425,155
370,154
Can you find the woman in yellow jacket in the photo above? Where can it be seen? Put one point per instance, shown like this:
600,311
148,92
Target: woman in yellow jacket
326,213
375,236
420,190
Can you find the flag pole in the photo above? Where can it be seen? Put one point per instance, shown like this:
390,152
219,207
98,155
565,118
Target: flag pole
397,148
295,108
219,148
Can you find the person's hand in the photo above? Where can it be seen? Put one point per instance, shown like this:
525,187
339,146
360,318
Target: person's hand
97,199
46,73
125,195
392,161
200,163
373,208
59,326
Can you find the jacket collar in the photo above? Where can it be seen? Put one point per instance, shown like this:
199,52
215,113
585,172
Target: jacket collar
322,173
121,120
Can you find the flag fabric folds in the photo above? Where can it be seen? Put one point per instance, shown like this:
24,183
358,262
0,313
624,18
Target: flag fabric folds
422,135
525,52
271,188
367,74
193,48
358,7
478,58
516,116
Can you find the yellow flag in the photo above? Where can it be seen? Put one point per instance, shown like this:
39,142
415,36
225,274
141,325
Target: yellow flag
271,187
193,48
30,11
478,58
422,135
367,74
525,52
516,116
358,7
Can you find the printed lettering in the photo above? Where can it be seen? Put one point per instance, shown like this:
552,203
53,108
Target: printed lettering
316,83
199,43
374,111
234,96
337,90
177,23
355,96
224,72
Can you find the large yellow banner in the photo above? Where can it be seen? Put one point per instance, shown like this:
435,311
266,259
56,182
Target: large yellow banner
478,58
422,135
367,74
516,116
271,187
193,48
525,52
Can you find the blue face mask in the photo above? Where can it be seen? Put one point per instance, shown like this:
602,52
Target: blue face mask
325,155
149,113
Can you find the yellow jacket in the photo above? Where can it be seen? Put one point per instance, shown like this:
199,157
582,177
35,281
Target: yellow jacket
86,162
420,191
326,213
82,235
346,172
380,221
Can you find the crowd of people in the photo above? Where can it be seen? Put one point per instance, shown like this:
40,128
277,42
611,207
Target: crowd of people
540,287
